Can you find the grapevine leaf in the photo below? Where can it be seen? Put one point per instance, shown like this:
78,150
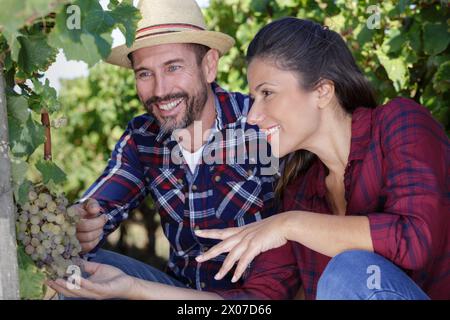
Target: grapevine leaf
436,38
91,40
35,54
18,107
21,192
396,69
127,16
30,277
17,13
19,170
50,172
441,79
44,97
25,137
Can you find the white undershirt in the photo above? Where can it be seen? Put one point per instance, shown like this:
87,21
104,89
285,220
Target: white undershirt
192,158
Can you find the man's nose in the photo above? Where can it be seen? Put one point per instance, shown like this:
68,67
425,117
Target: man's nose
160,89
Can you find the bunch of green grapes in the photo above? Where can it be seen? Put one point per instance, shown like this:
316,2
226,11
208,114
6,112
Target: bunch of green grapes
46,227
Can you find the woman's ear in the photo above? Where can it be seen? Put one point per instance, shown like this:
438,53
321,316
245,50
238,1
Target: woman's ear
210,64
325,91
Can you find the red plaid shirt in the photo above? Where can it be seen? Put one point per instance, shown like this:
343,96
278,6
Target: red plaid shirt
398,176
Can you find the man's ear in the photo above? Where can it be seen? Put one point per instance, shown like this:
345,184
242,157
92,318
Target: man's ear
210,64
325,90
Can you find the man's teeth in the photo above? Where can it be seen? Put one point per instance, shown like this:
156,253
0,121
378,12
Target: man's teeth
171,105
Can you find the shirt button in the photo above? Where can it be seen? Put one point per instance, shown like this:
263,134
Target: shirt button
217,178
194,187
250,173
196,227
203,285
180,181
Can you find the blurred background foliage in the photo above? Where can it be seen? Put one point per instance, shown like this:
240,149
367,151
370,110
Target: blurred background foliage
407,54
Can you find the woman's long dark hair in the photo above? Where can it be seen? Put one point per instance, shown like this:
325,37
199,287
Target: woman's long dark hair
314,53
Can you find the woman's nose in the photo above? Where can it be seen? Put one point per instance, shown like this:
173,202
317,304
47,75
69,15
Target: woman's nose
255,116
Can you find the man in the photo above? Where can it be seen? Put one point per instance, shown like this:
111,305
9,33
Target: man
180,152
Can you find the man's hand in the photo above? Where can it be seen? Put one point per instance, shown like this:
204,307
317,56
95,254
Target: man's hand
105,282
90,227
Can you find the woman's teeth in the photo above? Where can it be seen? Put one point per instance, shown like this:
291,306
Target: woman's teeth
171,105
271,130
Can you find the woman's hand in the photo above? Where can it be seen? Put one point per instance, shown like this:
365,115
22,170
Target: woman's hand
244,243
105,282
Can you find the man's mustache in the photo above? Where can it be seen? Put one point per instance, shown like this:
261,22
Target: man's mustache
156,99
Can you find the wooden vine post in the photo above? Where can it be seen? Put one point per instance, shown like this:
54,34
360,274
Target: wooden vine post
9,278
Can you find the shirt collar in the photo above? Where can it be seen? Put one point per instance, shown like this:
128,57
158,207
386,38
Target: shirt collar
225,113
361,133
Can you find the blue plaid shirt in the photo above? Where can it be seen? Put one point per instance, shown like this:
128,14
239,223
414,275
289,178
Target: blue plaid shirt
217,195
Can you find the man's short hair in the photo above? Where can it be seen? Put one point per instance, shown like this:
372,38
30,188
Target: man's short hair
200,51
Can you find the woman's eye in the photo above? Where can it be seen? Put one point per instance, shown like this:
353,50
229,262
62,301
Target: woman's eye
266,93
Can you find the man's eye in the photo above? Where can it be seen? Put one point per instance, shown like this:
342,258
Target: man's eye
173,68
143,75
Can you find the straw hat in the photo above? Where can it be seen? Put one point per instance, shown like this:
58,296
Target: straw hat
170,21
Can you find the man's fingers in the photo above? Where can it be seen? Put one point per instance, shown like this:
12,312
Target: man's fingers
89,236
88,246
92,207
90,267
88,225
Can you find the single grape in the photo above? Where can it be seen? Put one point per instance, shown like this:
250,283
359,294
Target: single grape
32,195
59,219
51,217
71,231
72,212
35,229
29,249
35,242
35,220
34,209
51,206
23,227
23,217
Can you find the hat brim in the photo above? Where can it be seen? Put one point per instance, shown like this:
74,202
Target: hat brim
211,39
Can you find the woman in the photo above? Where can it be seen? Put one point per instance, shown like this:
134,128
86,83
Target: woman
364,189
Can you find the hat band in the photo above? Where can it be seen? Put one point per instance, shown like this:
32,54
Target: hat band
166,26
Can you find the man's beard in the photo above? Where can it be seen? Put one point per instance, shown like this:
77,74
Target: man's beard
195,105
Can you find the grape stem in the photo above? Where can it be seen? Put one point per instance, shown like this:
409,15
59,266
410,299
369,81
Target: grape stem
45,119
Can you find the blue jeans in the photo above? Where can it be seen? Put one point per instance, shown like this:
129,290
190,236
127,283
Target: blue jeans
363,275
134,268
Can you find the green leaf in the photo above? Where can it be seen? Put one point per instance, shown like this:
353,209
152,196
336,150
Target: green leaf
441,79
18,107
259,5
19,170
51,173
25,137
127,16
44,97
21,192
396,69
394,42
35,54
17,13
92,41
436,38
30,277
21,186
